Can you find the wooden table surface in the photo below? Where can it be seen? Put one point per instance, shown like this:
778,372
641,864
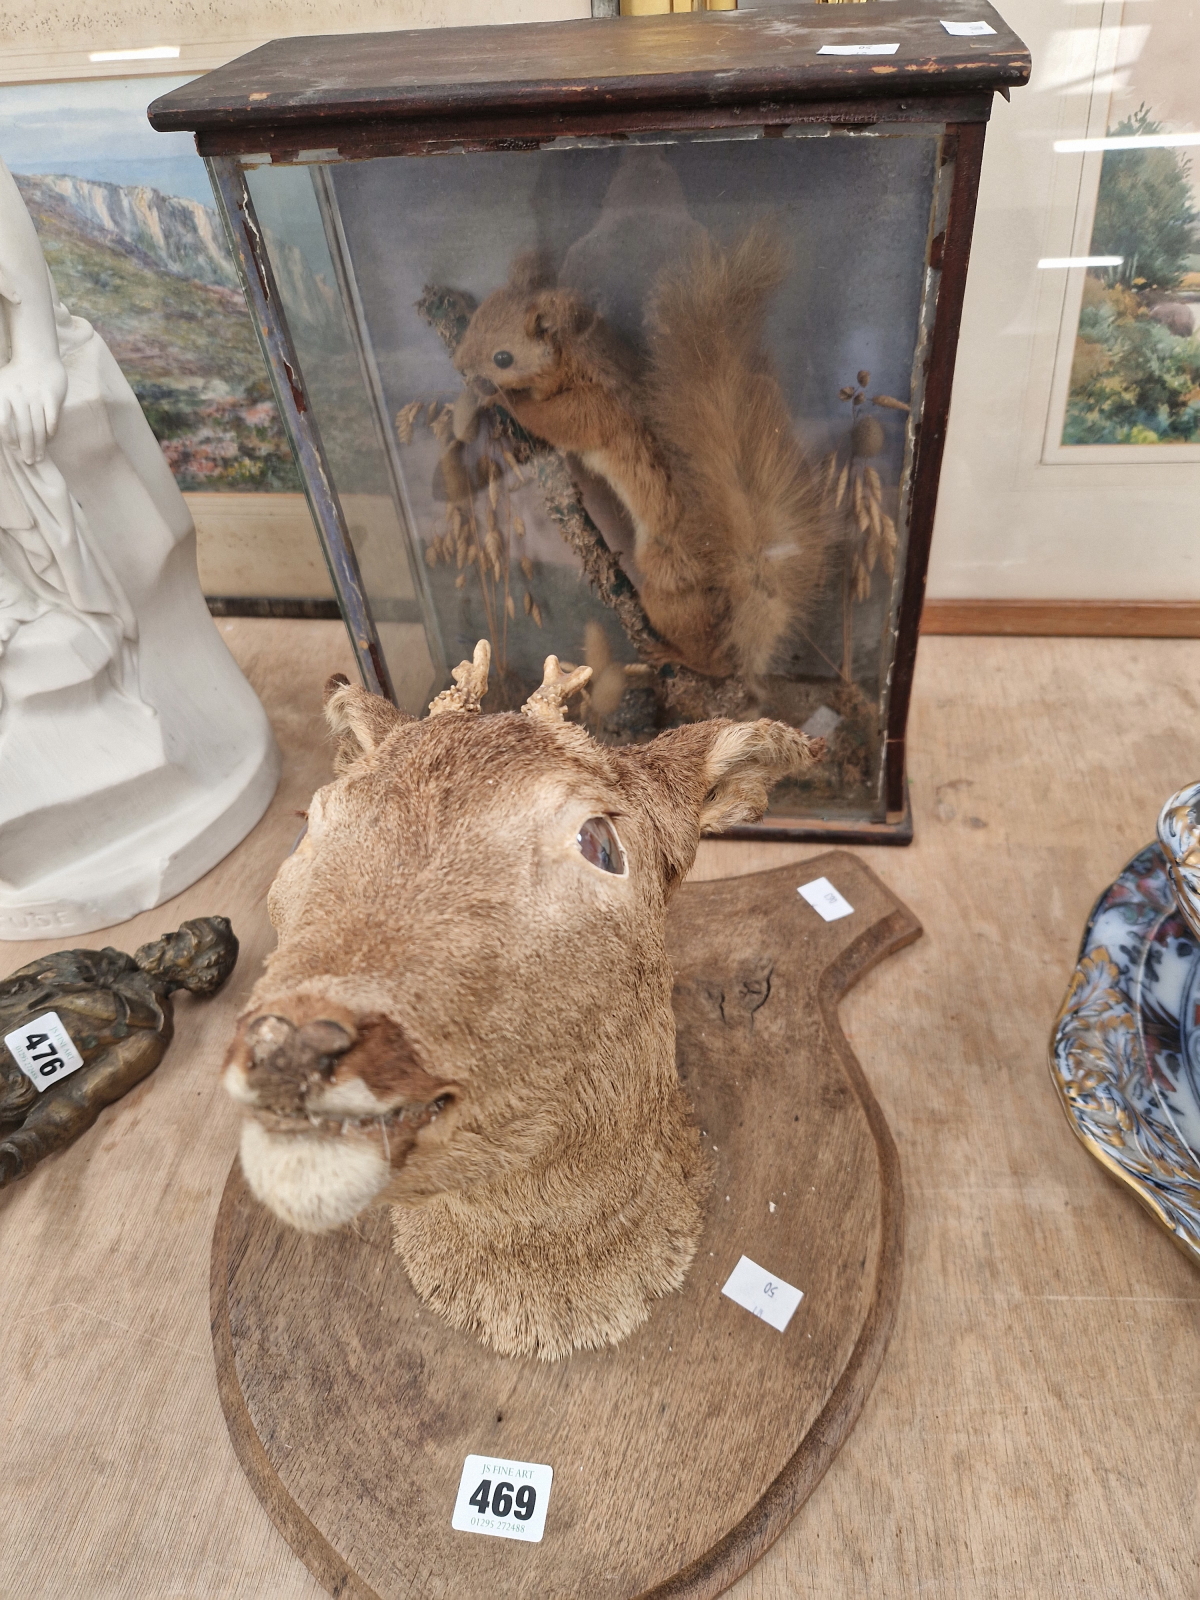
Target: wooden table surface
1033,1431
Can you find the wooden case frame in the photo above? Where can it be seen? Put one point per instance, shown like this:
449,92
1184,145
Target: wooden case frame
355,97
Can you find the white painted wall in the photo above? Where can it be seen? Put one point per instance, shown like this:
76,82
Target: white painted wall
1010,524
45,30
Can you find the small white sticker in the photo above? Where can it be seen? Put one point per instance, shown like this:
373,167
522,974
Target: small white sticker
964,30
44,1051
507,1499
825,900
858,49
761,1294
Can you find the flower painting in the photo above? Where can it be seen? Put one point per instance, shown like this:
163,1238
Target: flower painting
1135,370
128,225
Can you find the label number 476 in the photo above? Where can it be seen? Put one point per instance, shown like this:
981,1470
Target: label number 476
505,1498
49,1061
44,1050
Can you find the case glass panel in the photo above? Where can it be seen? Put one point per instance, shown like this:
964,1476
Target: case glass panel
722,336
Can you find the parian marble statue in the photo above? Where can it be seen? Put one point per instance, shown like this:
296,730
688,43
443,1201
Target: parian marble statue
133,754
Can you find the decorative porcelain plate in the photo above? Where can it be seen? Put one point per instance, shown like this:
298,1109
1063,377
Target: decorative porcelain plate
1125,1053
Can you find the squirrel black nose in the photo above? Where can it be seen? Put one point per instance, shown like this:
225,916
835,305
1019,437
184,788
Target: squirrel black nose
503,358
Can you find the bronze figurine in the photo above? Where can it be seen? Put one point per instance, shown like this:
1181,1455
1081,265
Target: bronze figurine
117,1010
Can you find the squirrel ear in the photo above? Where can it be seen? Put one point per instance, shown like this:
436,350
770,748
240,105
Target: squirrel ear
530,271
557,314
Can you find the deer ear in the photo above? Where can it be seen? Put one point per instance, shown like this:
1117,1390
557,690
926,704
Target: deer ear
744,762
360,721
707,776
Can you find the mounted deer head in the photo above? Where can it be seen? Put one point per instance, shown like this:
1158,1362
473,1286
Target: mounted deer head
468,1015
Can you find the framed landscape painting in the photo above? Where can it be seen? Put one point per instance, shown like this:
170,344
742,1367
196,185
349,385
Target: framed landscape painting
128,225
126,219
1127,376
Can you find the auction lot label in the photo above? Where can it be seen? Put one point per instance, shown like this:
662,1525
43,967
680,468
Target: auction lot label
44,1050
507,1499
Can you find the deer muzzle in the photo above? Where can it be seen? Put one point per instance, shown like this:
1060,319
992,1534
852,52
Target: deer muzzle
332,1107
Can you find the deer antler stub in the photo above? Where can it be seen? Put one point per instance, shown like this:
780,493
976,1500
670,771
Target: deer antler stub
549,702
470,684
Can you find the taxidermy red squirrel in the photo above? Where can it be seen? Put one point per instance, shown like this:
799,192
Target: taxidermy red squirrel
730,533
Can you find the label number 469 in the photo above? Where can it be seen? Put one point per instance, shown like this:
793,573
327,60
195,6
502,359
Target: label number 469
49,1062
505,1498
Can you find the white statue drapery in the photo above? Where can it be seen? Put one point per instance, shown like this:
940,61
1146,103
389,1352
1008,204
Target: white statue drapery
48,559
133,754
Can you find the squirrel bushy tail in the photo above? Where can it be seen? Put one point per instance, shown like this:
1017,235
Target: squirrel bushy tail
752,512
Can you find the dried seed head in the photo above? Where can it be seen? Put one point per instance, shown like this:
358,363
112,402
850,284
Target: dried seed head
867,438
875,514
860,510
889,542
406,419
443,426
518,527
843,479
864,377
528,603
888,402
460,581
509,606
527,566
535,612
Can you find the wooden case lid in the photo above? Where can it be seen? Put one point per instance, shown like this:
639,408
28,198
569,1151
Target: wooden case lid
672,62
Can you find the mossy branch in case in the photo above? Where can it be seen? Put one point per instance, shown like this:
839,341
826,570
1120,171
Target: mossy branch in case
685,695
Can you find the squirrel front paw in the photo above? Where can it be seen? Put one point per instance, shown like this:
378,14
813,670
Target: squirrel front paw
465,417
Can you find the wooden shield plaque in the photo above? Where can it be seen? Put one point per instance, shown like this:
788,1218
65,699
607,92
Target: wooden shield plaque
678,1456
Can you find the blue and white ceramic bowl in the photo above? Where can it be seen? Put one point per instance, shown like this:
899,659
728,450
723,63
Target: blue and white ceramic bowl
1125,1053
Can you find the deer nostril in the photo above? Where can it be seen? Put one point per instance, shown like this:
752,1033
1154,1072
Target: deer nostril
267,1036
325,1040
280,1055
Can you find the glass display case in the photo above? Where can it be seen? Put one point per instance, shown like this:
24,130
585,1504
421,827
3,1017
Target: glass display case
628,341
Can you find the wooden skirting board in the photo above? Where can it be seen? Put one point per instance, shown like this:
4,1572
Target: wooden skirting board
682,1454
1118,619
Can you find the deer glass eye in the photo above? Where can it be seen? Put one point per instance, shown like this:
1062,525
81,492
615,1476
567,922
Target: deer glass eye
503,358
598,843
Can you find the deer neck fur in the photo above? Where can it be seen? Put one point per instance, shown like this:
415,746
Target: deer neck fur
567,1255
